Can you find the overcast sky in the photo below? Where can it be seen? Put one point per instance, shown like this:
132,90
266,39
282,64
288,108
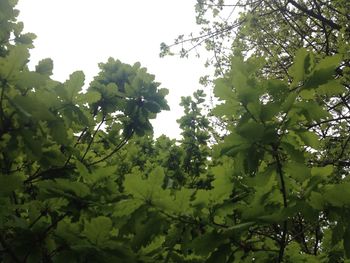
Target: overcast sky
78,34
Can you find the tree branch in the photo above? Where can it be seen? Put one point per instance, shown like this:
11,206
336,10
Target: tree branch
116,149
92,139
314,15
283,241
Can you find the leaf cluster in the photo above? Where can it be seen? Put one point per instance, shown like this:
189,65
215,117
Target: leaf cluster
83,180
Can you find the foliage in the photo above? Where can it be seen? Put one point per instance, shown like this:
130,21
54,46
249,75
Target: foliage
287,116
245,27
58,181
83,180
195,134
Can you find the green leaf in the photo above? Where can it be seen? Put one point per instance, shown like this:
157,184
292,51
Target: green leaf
239,227
9,183
181,203
337,195
152,106
316,200
262,196
32,107
126,207
254,109
45,67
89,97
337,233
331,88
234,143
298,171
154,246
149,189
74,84
33,146
310,139
222,187
226,109
222,184
13,62
70,89
59,132
322,171
26,80
302,65
220,254
98,230
146,230
252,131
324,71
206,243
68,231
65,187
288,103
269,111
81,168
313,111
307,94
222,90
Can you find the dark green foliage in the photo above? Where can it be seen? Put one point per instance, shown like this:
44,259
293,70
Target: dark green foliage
195,137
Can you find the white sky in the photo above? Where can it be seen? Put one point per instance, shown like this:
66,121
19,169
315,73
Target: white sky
78,34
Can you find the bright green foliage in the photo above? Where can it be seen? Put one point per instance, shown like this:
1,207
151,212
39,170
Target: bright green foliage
272,147
11,30
129,90
77,186
58,179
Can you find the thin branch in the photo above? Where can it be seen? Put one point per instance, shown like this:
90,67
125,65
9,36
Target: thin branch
76,143
317,238
344,118
42,213
314,15
48,174
323,28
92,139
297,28
116,149
43,235
283,241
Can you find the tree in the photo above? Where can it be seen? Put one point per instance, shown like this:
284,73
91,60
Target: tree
58,182
195,137
288,189
82,179
322,27
245,26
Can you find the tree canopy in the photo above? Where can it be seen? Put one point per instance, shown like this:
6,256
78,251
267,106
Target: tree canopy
83,180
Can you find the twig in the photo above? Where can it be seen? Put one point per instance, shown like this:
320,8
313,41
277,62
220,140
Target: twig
92,139
116,149
285,204
314,15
